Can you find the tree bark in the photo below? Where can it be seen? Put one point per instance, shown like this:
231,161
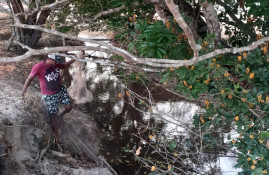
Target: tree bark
29,37
212,21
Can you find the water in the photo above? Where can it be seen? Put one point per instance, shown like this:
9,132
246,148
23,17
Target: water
123,129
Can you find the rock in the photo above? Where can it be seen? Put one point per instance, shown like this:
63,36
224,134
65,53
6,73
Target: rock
23,132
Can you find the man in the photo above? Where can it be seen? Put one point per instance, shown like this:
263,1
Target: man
52,89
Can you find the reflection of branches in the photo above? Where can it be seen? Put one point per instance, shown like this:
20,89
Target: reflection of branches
183,158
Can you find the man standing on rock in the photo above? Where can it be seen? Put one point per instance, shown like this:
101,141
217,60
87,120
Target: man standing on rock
52,89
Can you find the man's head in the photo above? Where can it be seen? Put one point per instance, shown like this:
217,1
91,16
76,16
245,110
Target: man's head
54,59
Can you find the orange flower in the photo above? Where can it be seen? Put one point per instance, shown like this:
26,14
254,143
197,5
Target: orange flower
259,97
207,103
214,60
206,43
217,66
222,91
236,118
267,99
134,17
128,93
265,50
202,120
245,54
233,141
249,159
261,141
245,91
239,58
207,81
169,167
190,87
247,70
167,23
185,83
244,99
171,69
131,19
119,95
230,96
251,75
253,167
192,67
251,136
153,168
254,161
226,74
264,172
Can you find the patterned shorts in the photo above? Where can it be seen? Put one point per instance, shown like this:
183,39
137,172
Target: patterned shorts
52,101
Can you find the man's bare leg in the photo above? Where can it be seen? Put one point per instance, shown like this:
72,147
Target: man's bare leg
54,126
67,108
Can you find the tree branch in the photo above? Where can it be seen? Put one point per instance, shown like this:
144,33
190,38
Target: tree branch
121,52
46,7
178,63
110,11
174,10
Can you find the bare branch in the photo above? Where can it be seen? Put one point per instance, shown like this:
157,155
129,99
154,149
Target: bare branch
121,52
174,10
110,11
46,7
22,45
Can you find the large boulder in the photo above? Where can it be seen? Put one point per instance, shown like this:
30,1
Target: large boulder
24,135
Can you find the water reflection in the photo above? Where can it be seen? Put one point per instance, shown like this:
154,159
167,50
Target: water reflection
121,129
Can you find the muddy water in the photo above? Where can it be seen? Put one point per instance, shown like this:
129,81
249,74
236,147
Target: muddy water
117,122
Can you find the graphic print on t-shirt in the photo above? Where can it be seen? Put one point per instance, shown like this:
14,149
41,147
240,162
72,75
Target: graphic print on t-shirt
52,78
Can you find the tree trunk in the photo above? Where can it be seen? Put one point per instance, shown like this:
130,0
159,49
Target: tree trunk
29,37
212,21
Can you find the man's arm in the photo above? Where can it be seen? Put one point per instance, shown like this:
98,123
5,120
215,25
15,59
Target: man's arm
26,85
68,63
